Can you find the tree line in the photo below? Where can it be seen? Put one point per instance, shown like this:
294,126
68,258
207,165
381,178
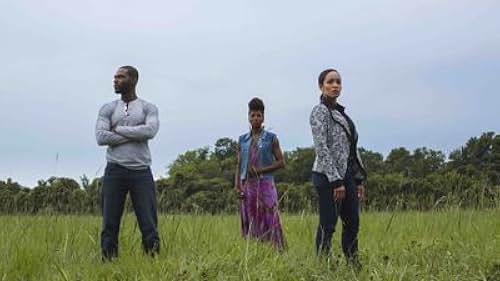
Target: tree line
201,180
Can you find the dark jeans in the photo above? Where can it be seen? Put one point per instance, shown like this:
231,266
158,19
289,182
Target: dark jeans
116,183
329,210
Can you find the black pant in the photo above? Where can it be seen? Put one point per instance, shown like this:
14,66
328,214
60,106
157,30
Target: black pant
117,181
329,210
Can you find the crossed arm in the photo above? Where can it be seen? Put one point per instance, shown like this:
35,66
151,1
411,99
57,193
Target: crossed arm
103,131
142,132
106,134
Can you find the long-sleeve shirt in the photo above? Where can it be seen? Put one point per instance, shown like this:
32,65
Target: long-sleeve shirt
126,129
335,142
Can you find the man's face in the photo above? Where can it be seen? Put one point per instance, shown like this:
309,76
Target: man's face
122,81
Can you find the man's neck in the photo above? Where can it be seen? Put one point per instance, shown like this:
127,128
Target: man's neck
129,96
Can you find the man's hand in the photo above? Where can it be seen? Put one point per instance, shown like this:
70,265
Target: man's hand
339,193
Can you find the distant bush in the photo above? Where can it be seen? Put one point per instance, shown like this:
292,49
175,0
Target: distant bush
201,180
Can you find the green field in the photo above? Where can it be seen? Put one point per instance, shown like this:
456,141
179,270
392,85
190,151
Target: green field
445,245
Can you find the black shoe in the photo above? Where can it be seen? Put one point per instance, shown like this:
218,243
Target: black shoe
106,259
109,256
152,249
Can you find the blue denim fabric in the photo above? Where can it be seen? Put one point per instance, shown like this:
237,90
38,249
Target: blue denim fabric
265,147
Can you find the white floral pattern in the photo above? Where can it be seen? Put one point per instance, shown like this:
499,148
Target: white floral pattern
332,144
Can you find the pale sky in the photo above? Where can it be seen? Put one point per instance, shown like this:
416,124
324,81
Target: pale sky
415,73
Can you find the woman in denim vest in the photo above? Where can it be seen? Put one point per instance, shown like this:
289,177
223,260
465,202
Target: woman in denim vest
338,173
258,157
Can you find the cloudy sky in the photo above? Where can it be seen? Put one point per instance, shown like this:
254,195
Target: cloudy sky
415,73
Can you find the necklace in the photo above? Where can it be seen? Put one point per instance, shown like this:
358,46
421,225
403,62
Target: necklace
255,138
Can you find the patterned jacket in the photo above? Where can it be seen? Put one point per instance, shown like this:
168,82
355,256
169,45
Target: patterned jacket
334,143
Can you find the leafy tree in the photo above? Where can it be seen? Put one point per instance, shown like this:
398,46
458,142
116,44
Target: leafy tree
398,161
225,148
480,155
373,161
201,180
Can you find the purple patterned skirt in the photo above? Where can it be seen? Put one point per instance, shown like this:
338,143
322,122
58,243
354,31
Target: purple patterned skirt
259,212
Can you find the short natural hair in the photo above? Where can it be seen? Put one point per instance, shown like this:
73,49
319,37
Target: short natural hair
256,104
132,71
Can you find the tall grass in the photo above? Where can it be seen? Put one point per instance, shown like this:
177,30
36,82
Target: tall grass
454,244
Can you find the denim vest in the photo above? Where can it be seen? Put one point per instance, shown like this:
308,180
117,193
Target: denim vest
264,148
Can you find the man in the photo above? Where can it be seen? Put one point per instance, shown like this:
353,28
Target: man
125,126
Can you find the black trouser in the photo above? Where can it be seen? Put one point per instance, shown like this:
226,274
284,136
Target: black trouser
329,210
117,181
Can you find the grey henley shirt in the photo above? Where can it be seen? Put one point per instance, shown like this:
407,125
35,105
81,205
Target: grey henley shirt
126,129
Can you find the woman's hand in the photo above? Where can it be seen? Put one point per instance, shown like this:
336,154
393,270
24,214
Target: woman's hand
254,171
339,193
361,193
238,190
237,187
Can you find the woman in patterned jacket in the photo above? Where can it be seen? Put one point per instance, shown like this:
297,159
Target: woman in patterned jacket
338,173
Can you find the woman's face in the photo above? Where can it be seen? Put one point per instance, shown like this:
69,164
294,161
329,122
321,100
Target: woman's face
332,85
256,118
